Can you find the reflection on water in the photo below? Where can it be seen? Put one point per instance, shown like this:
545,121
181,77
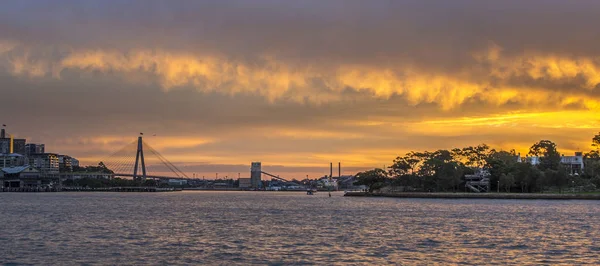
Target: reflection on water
292,228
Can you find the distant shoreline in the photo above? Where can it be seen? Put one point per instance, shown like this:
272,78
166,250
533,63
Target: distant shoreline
434,195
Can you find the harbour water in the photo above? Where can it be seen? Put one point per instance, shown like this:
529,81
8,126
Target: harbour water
279,228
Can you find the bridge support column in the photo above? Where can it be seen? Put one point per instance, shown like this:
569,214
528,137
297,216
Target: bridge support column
139,157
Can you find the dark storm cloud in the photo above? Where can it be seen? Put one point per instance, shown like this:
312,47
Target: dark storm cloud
345,30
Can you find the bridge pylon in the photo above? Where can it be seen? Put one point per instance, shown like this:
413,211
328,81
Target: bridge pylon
139,158
140,161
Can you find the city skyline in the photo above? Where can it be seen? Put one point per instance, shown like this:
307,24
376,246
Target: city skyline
297,85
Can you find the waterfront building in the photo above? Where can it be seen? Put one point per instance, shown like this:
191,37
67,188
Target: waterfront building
177,182
245,182
46,162
80,175
32,148
23,176
12,160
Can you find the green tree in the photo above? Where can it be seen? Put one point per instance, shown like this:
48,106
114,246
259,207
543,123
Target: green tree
596,141
499,163
507,181
557,178
404,168
594,154
591,169
373,179
149,183
449,175
407,164
546,151
473,156
104,169
440,172
527,176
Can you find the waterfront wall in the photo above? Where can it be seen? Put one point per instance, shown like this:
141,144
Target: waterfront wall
85,189
477,195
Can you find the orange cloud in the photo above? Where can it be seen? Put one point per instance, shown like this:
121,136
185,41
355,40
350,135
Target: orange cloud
488,79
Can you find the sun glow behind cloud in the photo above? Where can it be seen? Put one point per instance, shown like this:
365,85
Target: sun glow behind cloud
489,79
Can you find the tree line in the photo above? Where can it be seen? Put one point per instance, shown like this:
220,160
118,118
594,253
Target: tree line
444,170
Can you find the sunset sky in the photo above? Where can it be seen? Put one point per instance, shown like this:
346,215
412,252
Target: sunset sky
298,84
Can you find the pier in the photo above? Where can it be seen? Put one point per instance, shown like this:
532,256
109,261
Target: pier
532,196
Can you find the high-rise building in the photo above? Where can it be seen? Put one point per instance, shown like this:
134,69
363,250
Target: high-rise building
10,145
5,146
65,163
46,162
19,146
74,162
32,148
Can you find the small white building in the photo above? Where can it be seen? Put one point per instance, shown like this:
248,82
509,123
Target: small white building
329,183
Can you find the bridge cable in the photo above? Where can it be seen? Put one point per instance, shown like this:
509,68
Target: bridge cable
173,168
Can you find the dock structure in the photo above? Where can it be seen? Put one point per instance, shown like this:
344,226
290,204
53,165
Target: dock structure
478,182
88,189
512,196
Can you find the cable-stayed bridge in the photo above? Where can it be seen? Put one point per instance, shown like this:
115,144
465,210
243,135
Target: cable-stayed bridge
139,161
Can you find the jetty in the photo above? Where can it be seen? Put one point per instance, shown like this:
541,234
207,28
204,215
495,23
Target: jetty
435,195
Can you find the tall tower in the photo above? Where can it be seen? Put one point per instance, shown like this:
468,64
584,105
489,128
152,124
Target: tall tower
139,156
255,174
330,170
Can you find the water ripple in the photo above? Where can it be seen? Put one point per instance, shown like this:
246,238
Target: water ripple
246,228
